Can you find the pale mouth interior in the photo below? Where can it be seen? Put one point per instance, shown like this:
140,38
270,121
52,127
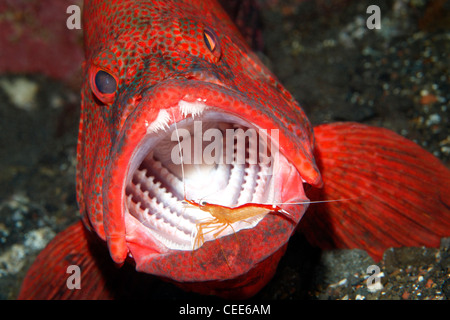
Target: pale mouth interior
216,169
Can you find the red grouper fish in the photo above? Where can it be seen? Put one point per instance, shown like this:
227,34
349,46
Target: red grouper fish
193,161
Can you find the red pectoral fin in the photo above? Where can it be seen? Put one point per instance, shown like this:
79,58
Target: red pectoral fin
66,269
399,192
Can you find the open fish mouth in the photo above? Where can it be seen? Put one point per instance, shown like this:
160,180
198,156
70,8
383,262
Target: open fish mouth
208,156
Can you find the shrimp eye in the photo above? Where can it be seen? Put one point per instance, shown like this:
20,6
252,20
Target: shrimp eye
104,85
211,41
203,203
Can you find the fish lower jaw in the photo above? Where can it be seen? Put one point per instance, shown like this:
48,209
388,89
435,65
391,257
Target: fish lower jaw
217,166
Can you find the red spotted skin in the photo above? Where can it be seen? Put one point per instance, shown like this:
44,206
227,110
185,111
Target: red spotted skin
157,52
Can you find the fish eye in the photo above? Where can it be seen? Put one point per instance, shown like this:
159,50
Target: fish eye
211,41
105,82
103,85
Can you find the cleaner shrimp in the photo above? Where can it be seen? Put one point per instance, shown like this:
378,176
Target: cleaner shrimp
224,217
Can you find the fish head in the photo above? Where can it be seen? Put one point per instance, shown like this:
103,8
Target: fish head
176,106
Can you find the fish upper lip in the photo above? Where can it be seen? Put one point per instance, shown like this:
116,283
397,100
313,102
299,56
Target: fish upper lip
141,240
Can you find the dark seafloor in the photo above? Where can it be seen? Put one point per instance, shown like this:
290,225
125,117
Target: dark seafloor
396,77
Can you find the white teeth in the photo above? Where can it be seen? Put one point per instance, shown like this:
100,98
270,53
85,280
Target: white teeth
192,108
161,122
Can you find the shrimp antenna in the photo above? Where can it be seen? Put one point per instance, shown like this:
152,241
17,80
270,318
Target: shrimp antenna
319,201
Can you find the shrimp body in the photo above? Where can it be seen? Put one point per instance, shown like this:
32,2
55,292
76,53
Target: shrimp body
223,216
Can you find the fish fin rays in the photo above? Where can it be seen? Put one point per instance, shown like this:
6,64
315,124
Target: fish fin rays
401,191
51,277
